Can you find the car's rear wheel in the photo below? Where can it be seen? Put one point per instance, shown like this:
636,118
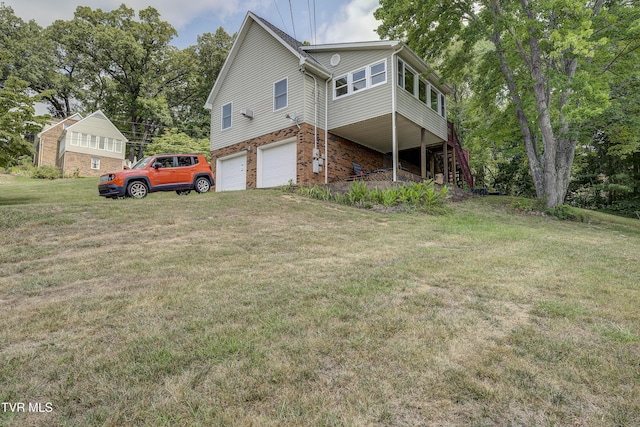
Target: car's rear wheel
137,190
183,192
202,185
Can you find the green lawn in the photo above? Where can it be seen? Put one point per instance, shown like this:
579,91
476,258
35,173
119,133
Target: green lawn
268,308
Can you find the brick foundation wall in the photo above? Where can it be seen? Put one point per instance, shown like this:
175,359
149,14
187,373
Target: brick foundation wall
341,154
82,162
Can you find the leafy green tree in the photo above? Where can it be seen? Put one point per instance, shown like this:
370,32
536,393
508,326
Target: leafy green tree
205,59
17,120
21,51
538,65
134,69
173,141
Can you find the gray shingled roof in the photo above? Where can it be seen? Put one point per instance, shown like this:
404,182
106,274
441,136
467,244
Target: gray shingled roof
295,44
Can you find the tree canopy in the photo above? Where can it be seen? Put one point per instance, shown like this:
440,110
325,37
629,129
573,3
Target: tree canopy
120,62
541,67
17,120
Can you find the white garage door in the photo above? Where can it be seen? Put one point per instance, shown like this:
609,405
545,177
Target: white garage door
232,173
277,164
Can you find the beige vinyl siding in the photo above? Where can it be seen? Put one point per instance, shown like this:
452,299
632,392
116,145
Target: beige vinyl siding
260,62
418,112
310,99
364,104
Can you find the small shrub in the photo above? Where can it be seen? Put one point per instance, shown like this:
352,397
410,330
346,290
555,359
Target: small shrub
409,196
358,194
316,192
567,213
23,167
47,172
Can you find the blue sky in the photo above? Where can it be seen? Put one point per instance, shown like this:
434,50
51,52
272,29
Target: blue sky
326,21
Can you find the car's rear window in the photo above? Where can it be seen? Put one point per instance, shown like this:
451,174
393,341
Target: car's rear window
185,161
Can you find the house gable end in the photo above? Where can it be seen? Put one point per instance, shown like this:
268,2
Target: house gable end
292,45
98,121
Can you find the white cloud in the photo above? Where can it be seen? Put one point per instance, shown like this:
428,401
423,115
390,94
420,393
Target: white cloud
178,13
355,22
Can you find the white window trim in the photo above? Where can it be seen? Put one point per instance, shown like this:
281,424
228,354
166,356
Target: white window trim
286,94
370,73
416,89
346,85
97,163
367,79
222,128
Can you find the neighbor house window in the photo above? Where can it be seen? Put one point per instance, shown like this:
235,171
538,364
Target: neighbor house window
226,116
93,142
95,163
442,106
102,144
280,95
84,140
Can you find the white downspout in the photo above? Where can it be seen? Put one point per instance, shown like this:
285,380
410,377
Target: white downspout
394,137
315,104
326,129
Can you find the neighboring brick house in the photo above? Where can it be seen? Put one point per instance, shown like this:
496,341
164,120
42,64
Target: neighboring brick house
284,112
87,146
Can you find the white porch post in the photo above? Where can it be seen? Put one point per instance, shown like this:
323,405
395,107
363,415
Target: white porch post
394,133
423,153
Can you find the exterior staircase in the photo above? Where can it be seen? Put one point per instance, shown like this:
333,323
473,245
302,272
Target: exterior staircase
462,156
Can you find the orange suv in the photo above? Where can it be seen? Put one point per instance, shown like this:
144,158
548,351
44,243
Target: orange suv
163,172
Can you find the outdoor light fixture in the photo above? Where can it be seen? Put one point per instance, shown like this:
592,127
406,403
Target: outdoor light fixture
293,117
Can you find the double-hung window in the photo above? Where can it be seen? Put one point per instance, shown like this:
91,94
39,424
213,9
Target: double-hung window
422,91
359,80
280,95
226,116
400,73
434,100
95,163
341,86
410,81
378,73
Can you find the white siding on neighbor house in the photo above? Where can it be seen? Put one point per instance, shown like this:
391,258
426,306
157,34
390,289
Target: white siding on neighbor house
260,62
94,125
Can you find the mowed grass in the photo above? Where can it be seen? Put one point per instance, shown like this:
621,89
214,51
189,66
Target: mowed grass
267,308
